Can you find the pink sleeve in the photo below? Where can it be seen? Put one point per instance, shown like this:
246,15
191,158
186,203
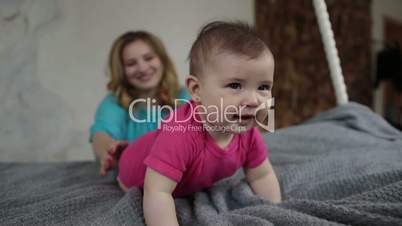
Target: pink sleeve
258,151
169,155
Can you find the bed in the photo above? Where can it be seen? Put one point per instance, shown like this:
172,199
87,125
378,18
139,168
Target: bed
342,167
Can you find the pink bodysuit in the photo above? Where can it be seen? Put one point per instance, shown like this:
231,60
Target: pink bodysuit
187,154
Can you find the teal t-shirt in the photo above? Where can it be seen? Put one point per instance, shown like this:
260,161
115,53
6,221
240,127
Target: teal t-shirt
114,120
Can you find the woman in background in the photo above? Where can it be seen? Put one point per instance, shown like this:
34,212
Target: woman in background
139,68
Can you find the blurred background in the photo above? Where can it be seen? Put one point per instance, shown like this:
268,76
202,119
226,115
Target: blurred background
53,60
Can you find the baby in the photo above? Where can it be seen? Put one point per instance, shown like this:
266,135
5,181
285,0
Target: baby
213,135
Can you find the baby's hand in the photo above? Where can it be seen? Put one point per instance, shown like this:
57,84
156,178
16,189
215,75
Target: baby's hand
112,156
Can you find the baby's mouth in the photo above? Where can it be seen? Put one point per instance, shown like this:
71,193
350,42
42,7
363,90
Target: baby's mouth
243,117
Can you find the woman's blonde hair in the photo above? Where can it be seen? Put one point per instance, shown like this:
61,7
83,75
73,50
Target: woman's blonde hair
168,87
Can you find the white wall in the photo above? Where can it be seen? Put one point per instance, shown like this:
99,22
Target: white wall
36,124
381,9
72,50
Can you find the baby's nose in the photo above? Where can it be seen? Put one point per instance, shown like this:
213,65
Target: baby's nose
251,100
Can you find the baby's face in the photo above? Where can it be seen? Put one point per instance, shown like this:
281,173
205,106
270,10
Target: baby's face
238,88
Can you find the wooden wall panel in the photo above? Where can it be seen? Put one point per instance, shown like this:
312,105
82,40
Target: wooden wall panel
302,83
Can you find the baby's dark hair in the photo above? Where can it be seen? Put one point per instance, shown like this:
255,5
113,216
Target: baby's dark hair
230,37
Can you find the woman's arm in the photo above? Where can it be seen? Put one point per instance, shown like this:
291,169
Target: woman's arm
263,181
158,204
102,144
108,128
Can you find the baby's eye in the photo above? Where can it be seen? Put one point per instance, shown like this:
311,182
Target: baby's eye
264,87
234,85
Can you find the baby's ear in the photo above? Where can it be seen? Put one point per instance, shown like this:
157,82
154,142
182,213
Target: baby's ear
193,87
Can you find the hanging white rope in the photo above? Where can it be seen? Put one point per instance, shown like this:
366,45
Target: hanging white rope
327,36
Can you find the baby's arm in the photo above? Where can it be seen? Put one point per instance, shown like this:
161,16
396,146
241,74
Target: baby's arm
158,203
263,181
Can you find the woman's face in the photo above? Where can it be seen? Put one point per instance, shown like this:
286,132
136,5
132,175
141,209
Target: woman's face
143,68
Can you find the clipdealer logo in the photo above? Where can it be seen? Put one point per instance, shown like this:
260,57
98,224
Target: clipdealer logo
264,113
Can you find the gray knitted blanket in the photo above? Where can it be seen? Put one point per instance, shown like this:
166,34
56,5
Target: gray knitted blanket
343,167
